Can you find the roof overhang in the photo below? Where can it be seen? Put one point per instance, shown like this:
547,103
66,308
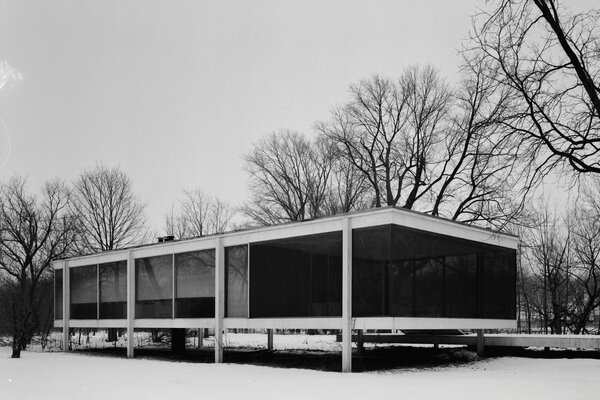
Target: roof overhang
360,219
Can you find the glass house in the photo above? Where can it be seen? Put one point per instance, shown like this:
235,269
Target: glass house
385,268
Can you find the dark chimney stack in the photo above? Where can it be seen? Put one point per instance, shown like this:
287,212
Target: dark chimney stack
167,238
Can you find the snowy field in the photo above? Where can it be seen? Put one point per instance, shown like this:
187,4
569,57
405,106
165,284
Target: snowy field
55,375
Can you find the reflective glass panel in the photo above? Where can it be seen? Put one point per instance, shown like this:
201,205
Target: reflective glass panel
405,272
153,284
498,291
195,284
402,275
236,281
461,297
84,284
428,287
370,270
449,277
296,277
113,290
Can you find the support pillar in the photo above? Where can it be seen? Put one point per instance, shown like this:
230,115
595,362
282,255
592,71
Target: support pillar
219,298
130,303
66,305
200,336
178,340
480,342
346,296
270,339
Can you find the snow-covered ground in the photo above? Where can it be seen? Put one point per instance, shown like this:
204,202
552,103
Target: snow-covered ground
55,375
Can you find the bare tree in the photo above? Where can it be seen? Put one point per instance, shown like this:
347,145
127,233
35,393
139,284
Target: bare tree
288,179
549,260
34,230
389,131
549,59
198,214
483,175
585,233
562,280
110,215
348,189
421,145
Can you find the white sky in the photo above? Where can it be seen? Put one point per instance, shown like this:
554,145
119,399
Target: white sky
176,92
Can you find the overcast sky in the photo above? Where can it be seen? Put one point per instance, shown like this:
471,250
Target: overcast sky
175,93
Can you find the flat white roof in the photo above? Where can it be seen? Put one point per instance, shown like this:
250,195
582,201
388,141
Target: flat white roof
359,219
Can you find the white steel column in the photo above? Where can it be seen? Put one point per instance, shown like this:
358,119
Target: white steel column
130,303
346,296
200,336
480,342
219,298
66,305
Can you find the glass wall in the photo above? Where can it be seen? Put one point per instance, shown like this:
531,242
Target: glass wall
195,284
405,272
370,268
154,287
497,285
113,290
461,285
58,294
83,288
236,281
296,277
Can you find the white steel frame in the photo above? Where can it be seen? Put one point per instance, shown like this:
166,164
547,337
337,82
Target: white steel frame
344,223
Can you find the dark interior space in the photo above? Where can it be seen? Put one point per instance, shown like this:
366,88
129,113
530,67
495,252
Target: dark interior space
297,277
405,272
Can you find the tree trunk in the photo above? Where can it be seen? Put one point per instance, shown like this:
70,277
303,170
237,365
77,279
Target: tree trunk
584,317
16,350
23,342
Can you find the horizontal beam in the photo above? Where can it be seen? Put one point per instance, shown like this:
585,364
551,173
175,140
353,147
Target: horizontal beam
174,323
392,323
283,323
399,323
97,323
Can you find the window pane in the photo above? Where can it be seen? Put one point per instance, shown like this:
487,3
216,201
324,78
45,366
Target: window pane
327,282
453,277
236,291
113,290
461,286
195,284
280,282
83,288
370,260
296,277
58,294
429,275
153,284
498,284
402,288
